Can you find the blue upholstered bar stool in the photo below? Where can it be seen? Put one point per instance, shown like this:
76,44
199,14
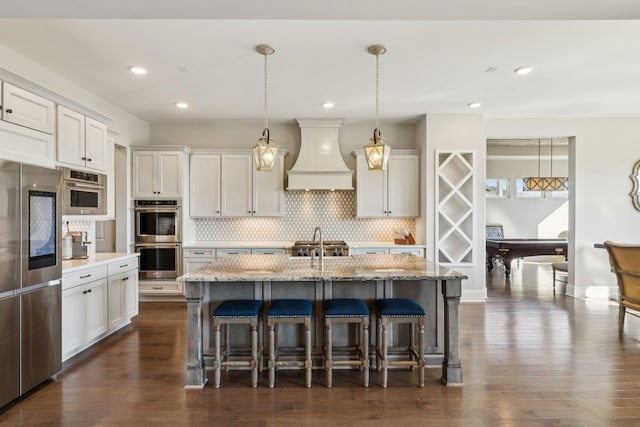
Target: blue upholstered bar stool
245,312
347,310
289,311
400,310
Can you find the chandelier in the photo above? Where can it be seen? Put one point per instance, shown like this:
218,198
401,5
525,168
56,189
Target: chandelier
546,183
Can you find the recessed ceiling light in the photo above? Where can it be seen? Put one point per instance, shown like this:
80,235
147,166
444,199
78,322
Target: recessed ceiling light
474,104
136,69
182,105
327,105
521,71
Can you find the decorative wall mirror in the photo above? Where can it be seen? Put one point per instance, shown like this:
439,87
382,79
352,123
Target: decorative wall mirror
636,187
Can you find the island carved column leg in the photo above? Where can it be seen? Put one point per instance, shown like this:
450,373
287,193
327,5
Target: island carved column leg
451,366
195,375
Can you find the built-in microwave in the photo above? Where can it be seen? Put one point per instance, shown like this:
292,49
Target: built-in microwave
84,193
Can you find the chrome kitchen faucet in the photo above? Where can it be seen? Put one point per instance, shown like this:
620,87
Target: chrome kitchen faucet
321,254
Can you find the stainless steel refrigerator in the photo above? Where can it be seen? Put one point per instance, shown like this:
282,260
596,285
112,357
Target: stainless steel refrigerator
30,277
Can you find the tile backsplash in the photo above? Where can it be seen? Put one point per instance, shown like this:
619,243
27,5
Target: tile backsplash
333,211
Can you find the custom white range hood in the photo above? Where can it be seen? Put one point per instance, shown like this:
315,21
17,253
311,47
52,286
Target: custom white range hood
320,165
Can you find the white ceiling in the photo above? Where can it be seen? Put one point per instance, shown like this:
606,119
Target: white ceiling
585,53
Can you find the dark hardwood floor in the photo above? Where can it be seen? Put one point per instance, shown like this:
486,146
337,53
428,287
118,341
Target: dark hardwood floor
530,359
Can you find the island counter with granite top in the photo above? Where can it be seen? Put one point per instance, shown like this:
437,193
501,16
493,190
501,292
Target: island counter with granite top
369,277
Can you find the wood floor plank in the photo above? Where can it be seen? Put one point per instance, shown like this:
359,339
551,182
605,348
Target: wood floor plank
530,359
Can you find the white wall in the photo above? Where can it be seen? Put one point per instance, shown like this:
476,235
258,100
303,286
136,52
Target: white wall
464,132
543,217
601,160
130,129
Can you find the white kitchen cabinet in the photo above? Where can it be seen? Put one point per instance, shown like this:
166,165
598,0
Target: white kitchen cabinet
246,192
27,109
84,309
391,193
82,141
97,301
123,291
198,258
116,302
204,185
157,174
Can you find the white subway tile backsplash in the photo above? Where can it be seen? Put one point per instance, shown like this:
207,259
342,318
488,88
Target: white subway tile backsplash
333,211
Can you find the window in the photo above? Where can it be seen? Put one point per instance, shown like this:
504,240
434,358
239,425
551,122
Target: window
521,193
497,187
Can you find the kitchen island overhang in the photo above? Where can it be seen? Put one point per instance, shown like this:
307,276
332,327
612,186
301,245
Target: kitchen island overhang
369,277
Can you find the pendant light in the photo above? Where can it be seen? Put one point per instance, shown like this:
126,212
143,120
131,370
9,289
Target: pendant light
377,152
546,183
265,153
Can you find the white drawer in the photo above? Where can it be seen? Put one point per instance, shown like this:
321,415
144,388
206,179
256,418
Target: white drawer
161,288
221,253
81,277
126,264
211,253
371,251
268,251
413,251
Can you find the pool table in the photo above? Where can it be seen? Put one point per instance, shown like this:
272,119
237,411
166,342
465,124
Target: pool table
508,249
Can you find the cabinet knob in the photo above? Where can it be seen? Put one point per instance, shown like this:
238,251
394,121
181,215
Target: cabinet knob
217,211
9,110
248,211
253,212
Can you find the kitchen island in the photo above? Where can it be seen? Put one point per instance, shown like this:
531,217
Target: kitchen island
369,277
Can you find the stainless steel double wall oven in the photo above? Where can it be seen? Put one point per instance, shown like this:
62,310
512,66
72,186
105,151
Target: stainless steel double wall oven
159,238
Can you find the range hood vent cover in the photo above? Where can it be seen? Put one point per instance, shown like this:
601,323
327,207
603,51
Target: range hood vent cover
320,165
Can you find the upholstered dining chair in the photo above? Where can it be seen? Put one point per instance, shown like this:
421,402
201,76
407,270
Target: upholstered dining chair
625,263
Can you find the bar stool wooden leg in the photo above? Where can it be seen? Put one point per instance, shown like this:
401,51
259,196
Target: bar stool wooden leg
307,350
328,355
217,358
384,362
421,352
365,352
272,353
254,353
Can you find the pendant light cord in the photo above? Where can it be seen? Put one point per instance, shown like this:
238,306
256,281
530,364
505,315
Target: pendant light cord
377,89
551,159
266,119
538,158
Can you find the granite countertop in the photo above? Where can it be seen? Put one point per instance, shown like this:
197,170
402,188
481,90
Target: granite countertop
239,268
70,265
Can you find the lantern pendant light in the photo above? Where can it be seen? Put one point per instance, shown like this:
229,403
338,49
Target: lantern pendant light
377,152
265,153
